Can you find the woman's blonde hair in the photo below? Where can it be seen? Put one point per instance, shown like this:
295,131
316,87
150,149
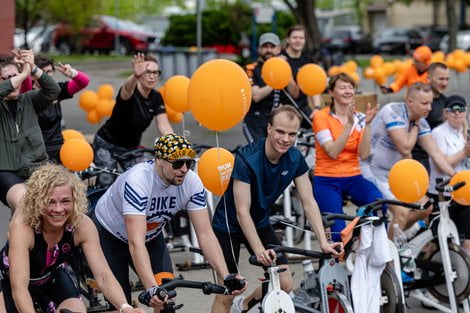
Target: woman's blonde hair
39,189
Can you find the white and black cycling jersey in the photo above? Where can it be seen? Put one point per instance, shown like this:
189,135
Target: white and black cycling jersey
140,191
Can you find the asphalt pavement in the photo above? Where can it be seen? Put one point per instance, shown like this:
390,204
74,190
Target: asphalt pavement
114,73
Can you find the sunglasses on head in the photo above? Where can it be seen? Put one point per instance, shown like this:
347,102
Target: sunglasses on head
177,164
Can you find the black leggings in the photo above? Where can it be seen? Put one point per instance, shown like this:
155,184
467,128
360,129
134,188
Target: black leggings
47,296
119,258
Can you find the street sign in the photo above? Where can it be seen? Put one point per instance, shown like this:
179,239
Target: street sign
263,15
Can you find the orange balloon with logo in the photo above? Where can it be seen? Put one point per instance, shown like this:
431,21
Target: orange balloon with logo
105,91
311,79
276,73
408,180
215,168
76,154
68,134
219,94
88,100
176,93
461,195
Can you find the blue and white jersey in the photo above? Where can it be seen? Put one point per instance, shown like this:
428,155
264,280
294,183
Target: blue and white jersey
384,153
140,191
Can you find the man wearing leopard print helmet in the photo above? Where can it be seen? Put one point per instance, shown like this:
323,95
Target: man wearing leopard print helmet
132,213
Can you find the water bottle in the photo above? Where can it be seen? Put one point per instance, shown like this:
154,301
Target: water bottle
406,255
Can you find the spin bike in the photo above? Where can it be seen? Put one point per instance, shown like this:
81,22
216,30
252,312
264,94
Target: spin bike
327,287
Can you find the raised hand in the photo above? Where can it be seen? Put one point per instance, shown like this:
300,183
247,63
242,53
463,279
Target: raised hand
66,69
139,65
17,57
371,112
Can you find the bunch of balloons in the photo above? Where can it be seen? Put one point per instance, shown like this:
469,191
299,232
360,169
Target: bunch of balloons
458,60
350,67
76,153
97,104
379,70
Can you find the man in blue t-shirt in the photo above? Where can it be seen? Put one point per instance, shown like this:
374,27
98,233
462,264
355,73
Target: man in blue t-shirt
262,170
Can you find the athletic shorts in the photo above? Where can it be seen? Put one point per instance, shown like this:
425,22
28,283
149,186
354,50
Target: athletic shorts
379,177
266,234
47,296
7,180
119,258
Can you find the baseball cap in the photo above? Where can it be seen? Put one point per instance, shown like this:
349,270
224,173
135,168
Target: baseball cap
456,103
173,147
423,54
269,38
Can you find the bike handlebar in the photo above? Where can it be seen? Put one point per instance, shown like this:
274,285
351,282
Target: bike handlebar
168,289
283,249
94,171
445,187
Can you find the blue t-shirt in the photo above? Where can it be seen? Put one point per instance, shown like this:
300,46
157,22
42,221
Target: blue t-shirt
267,182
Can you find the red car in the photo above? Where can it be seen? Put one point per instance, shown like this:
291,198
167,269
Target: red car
101,36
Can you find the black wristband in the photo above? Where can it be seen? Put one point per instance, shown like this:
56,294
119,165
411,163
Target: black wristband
34,70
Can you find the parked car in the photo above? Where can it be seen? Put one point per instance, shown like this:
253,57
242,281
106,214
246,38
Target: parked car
397,41
433,35
38,38
348,38
463,41
100,36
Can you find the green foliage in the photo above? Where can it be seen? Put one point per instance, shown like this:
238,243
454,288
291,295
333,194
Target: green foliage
221,26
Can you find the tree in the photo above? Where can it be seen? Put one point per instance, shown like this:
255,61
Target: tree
28,14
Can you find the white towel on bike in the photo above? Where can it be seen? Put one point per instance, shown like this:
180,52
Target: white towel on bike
371,259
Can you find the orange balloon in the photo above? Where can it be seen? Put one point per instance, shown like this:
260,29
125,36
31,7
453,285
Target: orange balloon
219,94
105,91
105,107
379,76
460,66
389,68
369,73
68,134
311,79
93,117
276,73
215,168
176,93
408,180
173,116
438,56
376,61
76,154
334,70
88,100
350,66
356,77
461,195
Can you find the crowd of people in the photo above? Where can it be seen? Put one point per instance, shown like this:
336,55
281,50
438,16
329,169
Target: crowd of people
354,154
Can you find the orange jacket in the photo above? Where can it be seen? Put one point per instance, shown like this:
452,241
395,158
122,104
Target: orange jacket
409,76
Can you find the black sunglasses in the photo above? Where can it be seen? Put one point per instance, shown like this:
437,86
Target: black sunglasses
177,164
9,76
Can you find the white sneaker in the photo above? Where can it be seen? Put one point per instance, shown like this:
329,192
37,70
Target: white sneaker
237,306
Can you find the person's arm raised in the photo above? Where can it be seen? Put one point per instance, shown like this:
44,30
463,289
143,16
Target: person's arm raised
86,236
131,82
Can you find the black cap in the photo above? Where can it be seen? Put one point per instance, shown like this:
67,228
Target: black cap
455,103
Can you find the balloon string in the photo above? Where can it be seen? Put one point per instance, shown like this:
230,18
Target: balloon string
297,107
183,125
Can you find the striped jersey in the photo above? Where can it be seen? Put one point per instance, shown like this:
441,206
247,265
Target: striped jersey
140,191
